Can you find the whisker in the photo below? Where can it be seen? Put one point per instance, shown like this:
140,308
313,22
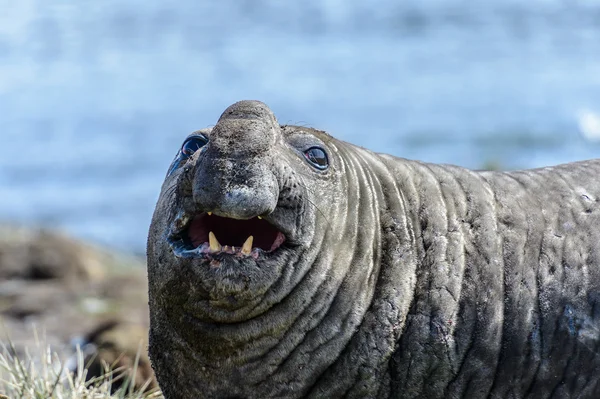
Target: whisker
171,194
303,184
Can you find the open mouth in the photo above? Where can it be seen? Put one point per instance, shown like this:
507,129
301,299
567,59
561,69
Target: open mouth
207,234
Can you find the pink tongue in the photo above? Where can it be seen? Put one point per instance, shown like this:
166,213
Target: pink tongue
198,233
278,241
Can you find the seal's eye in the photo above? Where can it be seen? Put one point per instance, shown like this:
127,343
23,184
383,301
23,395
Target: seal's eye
193,144
317,157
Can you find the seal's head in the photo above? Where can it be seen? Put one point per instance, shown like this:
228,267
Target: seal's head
236,216
263,257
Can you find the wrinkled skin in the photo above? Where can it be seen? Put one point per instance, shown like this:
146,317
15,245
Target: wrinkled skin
396,279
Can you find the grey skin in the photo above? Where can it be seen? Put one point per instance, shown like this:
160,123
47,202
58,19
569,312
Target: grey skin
397,278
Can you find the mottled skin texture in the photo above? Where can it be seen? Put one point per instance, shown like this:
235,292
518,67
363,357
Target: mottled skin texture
397,279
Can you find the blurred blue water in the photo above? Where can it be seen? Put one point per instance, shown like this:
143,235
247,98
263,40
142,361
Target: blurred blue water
96,97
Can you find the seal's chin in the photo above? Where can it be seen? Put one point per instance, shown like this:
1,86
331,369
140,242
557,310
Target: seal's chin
206,235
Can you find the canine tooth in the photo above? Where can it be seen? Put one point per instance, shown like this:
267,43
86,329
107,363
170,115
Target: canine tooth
214,244
209,213
260,217
247,247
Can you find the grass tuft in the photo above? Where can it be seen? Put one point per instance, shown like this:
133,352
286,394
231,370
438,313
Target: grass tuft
44,375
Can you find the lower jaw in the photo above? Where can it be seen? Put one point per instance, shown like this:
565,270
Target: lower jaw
221,276
203,252
226,308
223,288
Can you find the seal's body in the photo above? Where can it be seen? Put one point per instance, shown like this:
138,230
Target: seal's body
285,263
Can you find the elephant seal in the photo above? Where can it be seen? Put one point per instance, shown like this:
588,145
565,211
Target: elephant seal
285,263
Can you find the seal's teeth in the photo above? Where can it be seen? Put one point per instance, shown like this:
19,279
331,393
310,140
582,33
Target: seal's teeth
260,217
214,244
247,247
209,213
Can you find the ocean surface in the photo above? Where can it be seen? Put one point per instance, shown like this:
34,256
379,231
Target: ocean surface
96,97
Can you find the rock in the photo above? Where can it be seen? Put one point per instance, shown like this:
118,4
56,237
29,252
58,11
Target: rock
39,254
63,288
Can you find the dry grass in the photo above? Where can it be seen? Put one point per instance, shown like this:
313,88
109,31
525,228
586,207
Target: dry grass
44,375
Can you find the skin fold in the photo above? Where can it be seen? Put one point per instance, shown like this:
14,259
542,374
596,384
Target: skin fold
397,278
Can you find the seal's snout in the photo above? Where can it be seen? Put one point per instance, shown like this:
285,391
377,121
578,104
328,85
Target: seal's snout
234,177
